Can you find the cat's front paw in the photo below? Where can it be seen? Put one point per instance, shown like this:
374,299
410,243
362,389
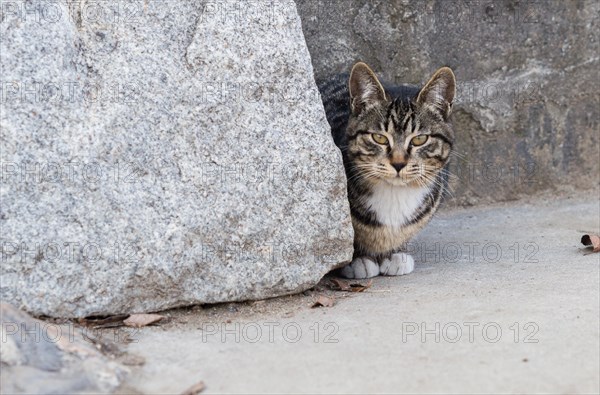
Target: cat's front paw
360,268
398,264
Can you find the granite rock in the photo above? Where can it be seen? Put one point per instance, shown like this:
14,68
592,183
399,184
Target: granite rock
162,153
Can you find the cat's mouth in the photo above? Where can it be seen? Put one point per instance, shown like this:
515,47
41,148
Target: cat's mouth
405,178
402,180
398,180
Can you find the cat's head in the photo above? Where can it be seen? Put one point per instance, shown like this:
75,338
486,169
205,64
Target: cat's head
399,140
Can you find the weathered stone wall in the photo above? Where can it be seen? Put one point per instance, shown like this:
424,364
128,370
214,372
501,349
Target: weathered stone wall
528,80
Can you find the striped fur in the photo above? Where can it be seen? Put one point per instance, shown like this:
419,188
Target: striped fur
393,188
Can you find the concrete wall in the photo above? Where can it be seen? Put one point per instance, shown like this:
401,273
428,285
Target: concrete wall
526,114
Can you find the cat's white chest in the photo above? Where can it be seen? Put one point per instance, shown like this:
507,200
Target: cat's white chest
395,205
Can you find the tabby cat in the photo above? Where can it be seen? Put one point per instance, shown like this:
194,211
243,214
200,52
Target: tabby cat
396,142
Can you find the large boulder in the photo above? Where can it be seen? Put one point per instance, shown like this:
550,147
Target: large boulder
527,106
163,153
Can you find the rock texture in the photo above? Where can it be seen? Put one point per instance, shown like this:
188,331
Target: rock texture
162,153
44,358
528,105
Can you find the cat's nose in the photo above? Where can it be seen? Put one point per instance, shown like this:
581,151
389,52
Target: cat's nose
398,166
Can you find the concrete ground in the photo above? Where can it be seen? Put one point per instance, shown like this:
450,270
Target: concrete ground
503,299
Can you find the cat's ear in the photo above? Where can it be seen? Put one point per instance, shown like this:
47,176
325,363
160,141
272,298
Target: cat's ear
365,88
439,92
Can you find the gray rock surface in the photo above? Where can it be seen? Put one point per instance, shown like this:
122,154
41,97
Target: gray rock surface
162,153
527,104
40,357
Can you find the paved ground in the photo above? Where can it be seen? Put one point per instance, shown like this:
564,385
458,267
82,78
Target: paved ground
503,300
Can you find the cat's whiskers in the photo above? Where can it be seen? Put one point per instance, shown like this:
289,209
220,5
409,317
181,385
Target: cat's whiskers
433,178
459,156
365,173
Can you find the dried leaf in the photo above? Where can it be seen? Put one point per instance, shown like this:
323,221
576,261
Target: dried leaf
349,286
357,287
323,301
139,320
591,241
339,285
195,389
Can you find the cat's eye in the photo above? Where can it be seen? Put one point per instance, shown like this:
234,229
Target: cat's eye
379,138
419,140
